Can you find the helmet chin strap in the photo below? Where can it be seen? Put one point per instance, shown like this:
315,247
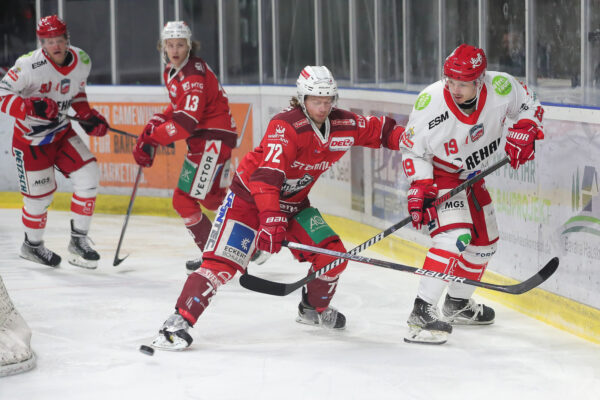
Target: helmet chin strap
472,103
469,103
323,134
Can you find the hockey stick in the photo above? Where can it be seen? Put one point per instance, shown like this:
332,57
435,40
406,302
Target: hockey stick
120,132
261,285
239,140
84,122
118,260
518,288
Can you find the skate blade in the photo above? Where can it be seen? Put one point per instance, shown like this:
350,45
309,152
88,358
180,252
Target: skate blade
466,321
307,322
37,261
78,261
421,336
161,343
458,320
318,324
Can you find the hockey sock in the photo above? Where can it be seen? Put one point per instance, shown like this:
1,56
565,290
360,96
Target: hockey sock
34,225
199,228
82,209
320,291
198,290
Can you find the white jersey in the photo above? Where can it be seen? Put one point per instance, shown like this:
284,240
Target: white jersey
441,139
35,75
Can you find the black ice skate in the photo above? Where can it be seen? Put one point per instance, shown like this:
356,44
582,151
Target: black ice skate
80,252
38,253
459,311
329,318
174,334
193,265
425,325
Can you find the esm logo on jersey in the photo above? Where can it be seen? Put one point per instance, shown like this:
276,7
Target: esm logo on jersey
341,143
438,120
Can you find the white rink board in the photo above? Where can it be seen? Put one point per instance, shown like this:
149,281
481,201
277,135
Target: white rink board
548,208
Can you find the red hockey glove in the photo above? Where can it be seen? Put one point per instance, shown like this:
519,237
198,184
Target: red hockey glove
154,122
144,150
417,194
41,107
95,124
273,226
520,142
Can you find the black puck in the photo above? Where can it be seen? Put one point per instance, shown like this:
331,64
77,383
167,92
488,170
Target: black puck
147,350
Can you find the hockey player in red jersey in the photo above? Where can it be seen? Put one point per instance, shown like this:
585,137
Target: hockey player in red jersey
37,92
453,132
268,203
199,114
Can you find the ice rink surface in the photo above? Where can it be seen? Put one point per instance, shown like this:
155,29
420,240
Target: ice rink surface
87,327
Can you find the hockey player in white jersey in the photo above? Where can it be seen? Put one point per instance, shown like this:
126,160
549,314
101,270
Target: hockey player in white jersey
38,91
453,132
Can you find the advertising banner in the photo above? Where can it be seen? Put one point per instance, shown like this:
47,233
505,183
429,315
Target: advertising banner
113,151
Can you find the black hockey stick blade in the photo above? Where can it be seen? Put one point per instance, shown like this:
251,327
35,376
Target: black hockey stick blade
533,282
260,285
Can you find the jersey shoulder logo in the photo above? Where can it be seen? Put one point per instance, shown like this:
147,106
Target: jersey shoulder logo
501,85
422,101
83,56
28,54
300,123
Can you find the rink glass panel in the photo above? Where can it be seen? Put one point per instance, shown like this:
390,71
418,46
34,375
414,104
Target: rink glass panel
553,46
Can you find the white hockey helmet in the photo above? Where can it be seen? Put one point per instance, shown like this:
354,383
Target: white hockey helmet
176,30
316,81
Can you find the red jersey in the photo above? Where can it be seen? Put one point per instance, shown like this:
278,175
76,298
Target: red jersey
198,103
279,173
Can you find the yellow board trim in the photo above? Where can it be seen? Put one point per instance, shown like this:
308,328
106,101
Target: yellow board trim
558,311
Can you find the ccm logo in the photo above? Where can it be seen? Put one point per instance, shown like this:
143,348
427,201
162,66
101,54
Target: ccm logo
272,220
341,143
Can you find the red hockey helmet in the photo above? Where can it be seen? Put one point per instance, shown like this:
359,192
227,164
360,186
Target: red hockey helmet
51,26
466,63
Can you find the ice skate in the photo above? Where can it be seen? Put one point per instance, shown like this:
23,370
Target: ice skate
425,325
16,355
38,253
459,311
193,265
329,318
173,335
260,257
80,252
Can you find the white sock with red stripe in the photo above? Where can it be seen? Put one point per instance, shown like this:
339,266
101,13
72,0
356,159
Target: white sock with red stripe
438,260
82,209
34,225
